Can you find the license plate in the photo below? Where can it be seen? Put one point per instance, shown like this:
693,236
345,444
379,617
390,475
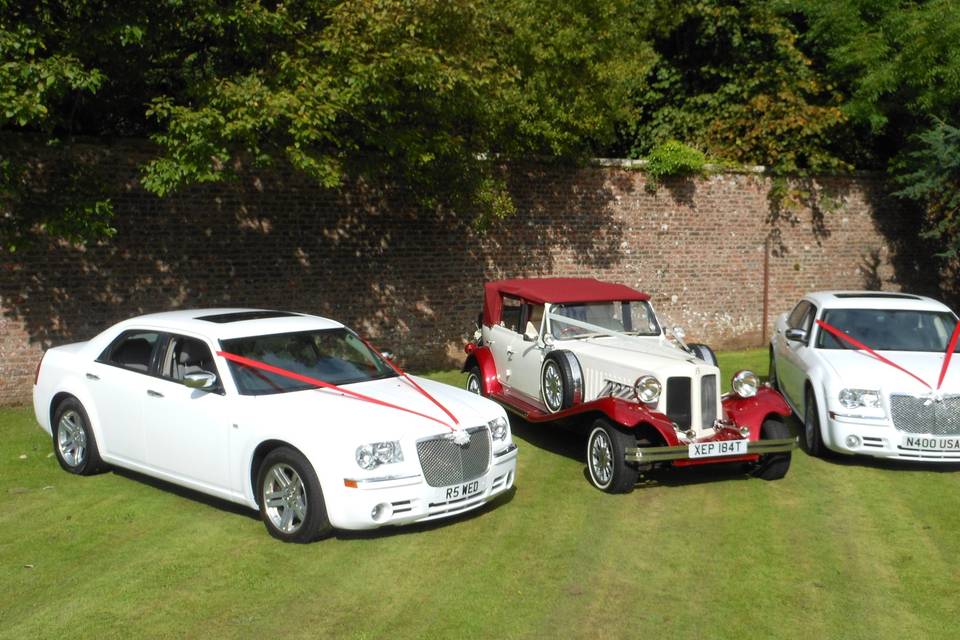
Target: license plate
464,490
718,448
932,443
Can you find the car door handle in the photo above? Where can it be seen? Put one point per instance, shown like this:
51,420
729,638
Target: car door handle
154,394
510,350
91,376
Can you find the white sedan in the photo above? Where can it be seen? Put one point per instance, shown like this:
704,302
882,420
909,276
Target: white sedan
868,373
290,414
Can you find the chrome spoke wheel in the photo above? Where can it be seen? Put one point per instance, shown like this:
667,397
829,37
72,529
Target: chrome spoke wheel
71,438
284,498
601,458
552,386
473,384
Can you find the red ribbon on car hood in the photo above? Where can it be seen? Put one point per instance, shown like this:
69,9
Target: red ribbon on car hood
256,364
859,345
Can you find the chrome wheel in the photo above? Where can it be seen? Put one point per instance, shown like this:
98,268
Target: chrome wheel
284,498
473,383
552,386
72,439
601,458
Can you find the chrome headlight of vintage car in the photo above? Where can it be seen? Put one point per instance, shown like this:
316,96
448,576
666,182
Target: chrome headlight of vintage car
745,383
370,456
855,398
647,389
498,428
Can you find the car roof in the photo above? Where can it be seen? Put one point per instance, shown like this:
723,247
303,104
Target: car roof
874,300
227,323
553,290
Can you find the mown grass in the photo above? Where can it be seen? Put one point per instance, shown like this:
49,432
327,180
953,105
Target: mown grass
848,549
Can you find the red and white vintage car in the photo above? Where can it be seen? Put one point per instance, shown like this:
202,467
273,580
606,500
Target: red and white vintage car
594,354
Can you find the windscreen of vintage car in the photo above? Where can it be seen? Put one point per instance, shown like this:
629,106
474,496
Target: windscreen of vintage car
890,329
336,356
581,320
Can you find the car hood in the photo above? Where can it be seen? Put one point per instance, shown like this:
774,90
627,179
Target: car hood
859,369
630,351
329,406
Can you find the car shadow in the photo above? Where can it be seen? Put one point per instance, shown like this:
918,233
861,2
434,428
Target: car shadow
868,462
189,494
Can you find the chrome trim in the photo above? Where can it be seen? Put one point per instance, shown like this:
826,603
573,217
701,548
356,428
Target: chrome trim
682,452
510,449
365,481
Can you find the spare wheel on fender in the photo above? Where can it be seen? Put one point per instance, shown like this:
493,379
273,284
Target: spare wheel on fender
561,381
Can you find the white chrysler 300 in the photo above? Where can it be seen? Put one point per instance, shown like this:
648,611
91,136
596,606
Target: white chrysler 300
290,414
890,403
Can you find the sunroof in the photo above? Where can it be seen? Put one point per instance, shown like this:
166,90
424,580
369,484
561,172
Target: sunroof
239,316
900,296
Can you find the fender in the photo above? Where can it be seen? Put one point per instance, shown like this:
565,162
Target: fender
75,387
483,358
751,412
816,382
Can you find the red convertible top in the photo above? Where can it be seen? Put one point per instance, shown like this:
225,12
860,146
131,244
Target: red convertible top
554,290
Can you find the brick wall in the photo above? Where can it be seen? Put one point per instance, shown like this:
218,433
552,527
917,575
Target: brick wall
412,283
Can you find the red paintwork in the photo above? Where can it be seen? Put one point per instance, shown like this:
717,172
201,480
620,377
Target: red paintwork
483,358
558,290
751,412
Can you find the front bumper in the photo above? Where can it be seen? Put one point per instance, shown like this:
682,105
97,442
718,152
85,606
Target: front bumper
396,501
649,455
880,439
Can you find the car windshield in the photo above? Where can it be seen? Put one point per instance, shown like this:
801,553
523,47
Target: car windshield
889,329
337,356
582,320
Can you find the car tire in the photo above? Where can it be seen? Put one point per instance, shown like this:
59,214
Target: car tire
606,463
291,501
704,352
773,466
561,381
74,443
772,372
812,436
475,381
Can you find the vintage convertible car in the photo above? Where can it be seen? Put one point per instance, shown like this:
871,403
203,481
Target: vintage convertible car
869,373
594,354
291,414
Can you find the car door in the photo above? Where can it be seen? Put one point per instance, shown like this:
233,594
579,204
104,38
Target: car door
528,354
118,381
791,363
188,430
505,338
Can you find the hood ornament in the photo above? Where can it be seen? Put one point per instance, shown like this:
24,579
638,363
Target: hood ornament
934,395
459,437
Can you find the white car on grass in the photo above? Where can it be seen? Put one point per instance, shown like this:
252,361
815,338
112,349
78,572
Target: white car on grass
290,414
890,403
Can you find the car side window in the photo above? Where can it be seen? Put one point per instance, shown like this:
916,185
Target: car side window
185,355
511,314
797,316
807,323
132,350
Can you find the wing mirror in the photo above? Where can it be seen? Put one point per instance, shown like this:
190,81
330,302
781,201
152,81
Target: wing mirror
387,355
796,335
531,334
200,380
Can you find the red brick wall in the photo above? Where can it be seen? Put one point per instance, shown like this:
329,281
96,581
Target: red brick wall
412,283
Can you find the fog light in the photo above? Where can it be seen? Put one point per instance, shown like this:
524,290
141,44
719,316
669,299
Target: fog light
853,442
381,512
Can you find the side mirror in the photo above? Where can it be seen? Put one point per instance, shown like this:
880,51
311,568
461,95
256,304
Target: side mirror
200,380
387,355
679,333
796,335
531,334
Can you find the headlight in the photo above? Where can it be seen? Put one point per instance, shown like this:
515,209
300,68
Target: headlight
853,398
498,428
370,456
745,384
647,389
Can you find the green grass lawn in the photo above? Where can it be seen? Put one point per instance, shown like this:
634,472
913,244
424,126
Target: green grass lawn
850,549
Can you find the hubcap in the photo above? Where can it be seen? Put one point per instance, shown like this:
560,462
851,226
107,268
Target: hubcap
601,458
552,386
473,384
284,498
71,439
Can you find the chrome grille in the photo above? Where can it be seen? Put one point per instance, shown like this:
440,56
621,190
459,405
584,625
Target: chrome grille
678,401
911,415
708,401
444,462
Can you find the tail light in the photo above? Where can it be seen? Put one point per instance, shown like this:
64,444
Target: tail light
36,376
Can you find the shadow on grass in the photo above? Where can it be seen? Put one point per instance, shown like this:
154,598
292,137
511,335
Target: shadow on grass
868,462
189,494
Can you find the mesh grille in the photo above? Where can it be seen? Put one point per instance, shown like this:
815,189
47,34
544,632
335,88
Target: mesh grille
708,401
444,462
938,418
